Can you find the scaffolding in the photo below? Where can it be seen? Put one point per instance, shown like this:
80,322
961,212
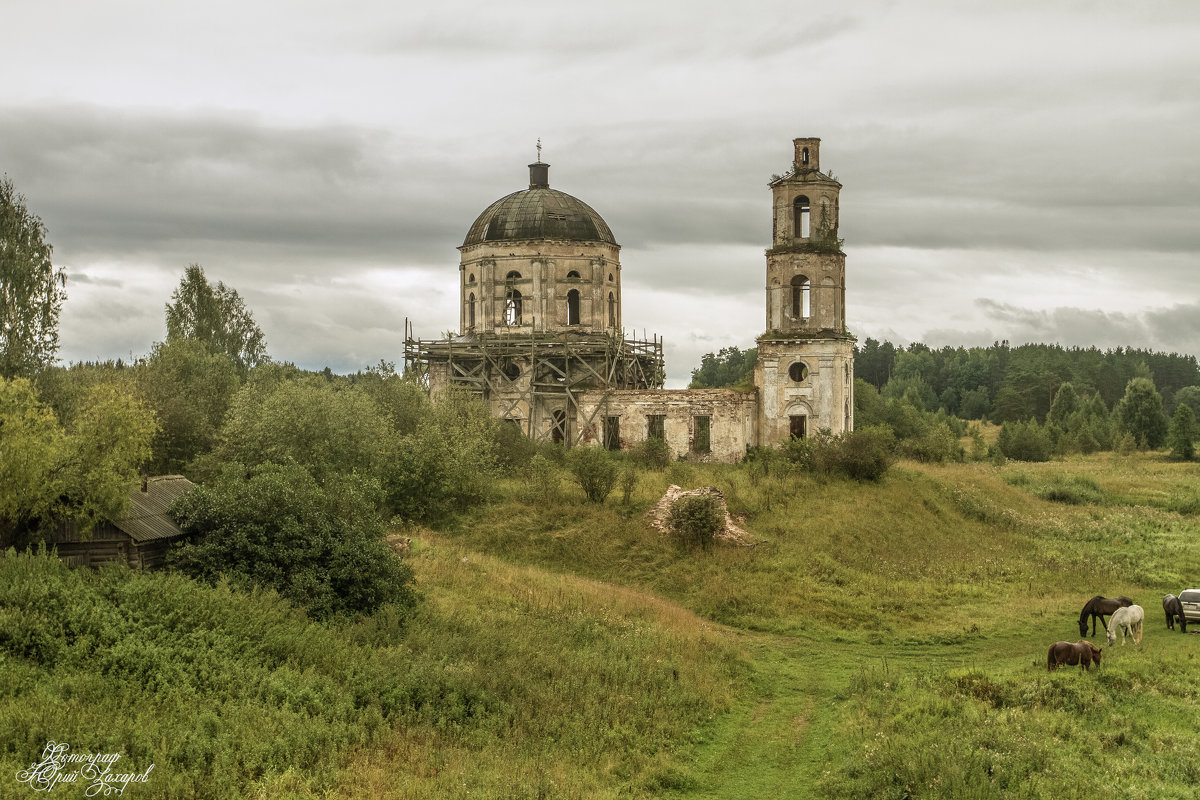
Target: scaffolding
546,373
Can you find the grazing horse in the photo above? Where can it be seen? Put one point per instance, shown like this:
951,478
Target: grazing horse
1174,608
1126,620
1100,607
1082,653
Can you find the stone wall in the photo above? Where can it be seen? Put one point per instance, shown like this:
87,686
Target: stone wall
732,419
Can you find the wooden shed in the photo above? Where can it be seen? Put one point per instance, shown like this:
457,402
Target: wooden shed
140,538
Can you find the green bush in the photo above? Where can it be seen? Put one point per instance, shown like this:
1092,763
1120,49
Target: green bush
1024,441
654,453
594,471
629,482
938,444
320,547
864,455
542,479
695,521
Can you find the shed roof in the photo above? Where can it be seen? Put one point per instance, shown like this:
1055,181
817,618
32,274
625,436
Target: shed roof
147,516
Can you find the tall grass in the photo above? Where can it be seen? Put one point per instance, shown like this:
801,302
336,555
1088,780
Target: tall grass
547,679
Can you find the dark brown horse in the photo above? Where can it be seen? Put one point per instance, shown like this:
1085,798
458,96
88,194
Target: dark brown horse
1173,609
1099,607
1082,653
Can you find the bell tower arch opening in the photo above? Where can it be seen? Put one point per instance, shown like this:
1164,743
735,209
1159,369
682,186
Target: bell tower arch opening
802,214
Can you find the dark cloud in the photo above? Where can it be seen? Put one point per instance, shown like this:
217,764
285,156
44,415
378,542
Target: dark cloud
1037,155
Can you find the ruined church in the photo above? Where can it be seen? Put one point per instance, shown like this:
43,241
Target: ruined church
541,336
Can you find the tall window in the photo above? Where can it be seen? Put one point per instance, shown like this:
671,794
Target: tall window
798,425
701,439
802,212
471,312
612,310
804,156
656,426
800,297
558,433
512,307
612,433
573,307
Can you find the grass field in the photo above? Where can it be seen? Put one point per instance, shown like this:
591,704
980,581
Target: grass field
880,640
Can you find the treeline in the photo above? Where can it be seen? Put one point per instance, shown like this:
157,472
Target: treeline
1049,400
1002,383
299,472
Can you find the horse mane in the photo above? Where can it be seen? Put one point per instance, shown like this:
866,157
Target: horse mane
1087,608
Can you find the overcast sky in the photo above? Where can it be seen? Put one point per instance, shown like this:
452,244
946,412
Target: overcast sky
1021,170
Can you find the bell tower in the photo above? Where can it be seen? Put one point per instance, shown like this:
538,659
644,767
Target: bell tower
805,371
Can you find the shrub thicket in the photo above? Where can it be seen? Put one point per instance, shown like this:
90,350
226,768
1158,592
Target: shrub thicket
654,453
320,547
594,471
696,520
1024,441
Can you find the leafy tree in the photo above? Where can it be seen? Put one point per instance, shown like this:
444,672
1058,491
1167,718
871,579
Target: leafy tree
32,290
81,474
328,428
975,403
447,463
1065,403
108,442
729,367
1141,413
320,547
190,388
1182,435
1189,396
216,317
32,445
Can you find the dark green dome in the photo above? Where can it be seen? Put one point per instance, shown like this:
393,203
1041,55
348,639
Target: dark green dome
539,212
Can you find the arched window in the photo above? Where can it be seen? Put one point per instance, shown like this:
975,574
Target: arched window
512,307
471,312
471,279
801,211
513,275
612,310
610,277
573,307
573,274
800,297
804,156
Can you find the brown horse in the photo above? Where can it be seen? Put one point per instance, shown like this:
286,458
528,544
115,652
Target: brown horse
1100,607
1174,608
1082,653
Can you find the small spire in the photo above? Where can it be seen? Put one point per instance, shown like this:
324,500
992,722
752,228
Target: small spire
539,149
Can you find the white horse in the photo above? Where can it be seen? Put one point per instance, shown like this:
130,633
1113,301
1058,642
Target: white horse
1127,620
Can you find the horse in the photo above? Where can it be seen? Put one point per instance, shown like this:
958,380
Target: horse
1126,620
1082,653
1173,609
1100,607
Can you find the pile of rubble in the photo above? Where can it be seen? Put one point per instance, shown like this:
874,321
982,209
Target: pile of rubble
660,515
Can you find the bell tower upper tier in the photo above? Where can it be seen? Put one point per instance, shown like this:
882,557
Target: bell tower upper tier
806,268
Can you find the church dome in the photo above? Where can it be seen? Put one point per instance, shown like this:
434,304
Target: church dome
539,212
